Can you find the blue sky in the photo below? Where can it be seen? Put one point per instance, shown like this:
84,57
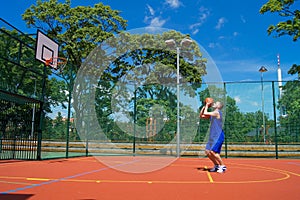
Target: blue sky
232,32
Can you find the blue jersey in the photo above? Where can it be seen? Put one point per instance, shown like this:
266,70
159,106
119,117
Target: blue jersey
216,134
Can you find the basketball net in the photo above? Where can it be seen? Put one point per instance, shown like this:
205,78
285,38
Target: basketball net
57,63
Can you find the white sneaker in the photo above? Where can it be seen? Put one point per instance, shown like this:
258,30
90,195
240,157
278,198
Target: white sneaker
214,169
221,169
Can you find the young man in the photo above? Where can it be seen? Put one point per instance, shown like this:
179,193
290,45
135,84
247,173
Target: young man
216,135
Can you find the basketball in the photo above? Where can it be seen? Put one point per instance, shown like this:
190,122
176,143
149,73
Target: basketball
202,116
209,100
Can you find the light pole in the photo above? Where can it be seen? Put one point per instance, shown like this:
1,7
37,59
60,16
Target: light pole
172,42
262,70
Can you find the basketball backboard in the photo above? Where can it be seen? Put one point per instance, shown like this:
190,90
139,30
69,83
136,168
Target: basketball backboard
46,49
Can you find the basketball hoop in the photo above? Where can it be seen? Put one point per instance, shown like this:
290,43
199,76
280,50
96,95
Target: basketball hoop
56,63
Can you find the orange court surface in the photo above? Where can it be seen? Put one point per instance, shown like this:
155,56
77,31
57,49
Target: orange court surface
87,178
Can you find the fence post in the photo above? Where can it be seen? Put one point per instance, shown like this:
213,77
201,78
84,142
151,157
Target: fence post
42,116
224,120
134,120
68,123
275,120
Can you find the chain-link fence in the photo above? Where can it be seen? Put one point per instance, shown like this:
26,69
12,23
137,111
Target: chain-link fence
259,121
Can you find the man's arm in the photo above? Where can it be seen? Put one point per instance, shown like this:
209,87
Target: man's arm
213,113
201,112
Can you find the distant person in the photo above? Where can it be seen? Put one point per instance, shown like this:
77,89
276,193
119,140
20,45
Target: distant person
216,135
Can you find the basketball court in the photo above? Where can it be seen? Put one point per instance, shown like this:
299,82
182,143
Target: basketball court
131,177
186,178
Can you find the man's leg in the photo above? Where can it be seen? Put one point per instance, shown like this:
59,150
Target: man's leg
222,168
217,158
211,156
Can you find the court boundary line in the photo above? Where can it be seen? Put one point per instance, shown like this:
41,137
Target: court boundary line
210,178
64,178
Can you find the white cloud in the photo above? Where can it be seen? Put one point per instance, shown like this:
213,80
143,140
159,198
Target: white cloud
235,34
173,3
151,19
156,22
56,110
194,28
213,45
243,19
204,13
194,32
221,37
254,103
221,23
151,10
195,25
237,99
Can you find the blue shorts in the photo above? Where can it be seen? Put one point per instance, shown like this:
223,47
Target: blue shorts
216,145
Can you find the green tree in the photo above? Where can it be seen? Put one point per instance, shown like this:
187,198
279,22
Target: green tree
55,128
233,124
289,102
17,67
250,126
146,66
288,10
78,30
21,74
295,69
